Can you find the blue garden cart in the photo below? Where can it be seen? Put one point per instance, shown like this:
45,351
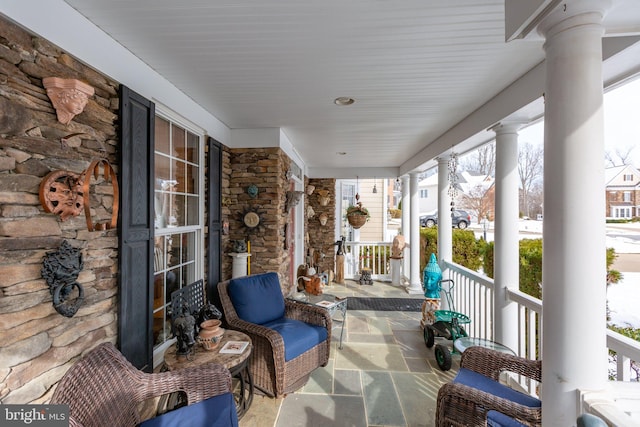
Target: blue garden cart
449,325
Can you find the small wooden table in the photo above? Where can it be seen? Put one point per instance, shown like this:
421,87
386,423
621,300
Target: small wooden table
237,364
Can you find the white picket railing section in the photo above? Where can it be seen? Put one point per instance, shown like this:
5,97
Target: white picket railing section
373,255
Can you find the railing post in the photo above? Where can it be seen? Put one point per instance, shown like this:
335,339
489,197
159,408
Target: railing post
623,368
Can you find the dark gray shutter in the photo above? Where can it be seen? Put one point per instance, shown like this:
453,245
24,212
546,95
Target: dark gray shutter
136,229
214,207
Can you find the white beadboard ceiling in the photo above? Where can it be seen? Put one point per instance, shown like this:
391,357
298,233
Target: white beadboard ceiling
416,68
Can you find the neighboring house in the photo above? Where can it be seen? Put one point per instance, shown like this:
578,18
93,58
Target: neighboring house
622,189
375,229
428,188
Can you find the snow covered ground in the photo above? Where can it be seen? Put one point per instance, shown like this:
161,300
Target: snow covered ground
624,301
624,297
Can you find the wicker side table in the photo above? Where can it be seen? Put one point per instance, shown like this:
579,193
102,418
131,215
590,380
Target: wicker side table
237,364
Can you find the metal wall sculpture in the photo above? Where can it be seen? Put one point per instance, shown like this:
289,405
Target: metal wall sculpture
109,175
60,269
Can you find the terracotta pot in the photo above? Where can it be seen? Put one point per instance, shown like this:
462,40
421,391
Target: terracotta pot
210,334
211,324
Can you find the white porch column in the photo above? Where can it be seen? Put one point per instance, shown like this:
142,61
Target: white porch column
574,352
445,233
506,270
415,282
406,223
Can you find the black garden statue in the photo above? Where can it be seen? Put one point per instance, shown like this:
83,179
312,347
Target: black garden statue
60,269
184,329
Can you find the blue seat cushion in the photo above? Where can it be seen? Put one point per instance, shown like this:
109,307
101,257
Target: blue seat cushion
298,336
217,411
257,299
480,382
498,419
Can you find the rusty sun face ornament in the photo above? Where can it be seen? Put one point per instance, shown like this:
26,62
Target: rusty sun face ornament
61,194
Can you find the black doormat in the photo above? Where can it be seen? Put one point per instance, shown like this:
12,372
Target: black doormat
384,304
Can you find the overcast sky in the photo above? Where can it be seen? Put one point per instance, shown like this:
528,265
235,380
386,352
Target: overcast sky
621,121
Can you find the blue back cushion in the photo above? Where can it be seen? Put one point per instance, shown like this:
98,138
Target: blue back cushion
217,411
257,299
298,336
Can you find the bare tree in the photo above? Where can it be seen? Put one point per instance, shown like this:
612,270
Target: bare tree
482,161
530,168
535,199
479,199
620,157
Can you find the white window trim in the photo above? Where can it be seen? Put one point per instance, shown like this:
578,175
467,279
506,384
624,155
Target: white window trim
171,116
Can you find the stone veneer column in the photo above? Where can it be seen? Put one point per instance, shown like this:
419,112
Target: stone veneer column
574,348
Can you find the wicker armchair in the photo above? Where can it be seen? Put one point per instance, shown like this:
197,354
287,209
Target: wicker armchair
271,373
476,394
104,389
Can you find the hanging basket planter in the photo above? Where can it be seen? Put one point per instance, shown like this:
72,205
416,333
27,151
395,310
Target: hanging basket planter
357,215
356,220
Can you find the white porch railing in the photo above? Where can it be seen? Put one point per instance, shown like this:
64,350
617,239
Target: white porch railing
473,296
373,255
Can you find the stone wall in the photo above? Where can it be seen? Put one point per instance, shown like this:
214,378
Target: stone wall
322,237
266,168
38,344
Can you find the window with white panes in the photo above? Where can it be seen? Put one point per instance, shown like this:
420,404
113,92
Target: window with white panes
179,222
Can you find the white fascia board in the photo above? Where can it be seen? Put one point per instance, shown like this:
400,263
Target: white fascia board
255,138
520,94
59,23
353,173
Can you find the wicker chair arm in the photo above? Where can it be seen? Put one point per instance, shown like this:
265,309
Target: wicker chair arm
469,405
308,313
491,363
199,383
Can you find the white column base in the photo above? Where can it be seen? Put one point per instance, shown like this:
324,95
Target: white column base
414,288
396,271
239,264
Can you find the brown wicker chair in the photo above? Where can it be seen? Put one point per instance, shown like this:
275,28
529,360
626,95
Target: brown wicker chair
271,373
463,405
104,389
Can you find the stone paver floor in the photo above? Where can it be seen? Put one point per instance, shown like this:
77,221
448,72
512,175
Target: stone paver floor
383,376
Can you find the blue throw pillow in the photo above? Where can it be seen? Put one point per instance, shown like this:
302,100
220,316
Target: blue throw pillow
257,299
